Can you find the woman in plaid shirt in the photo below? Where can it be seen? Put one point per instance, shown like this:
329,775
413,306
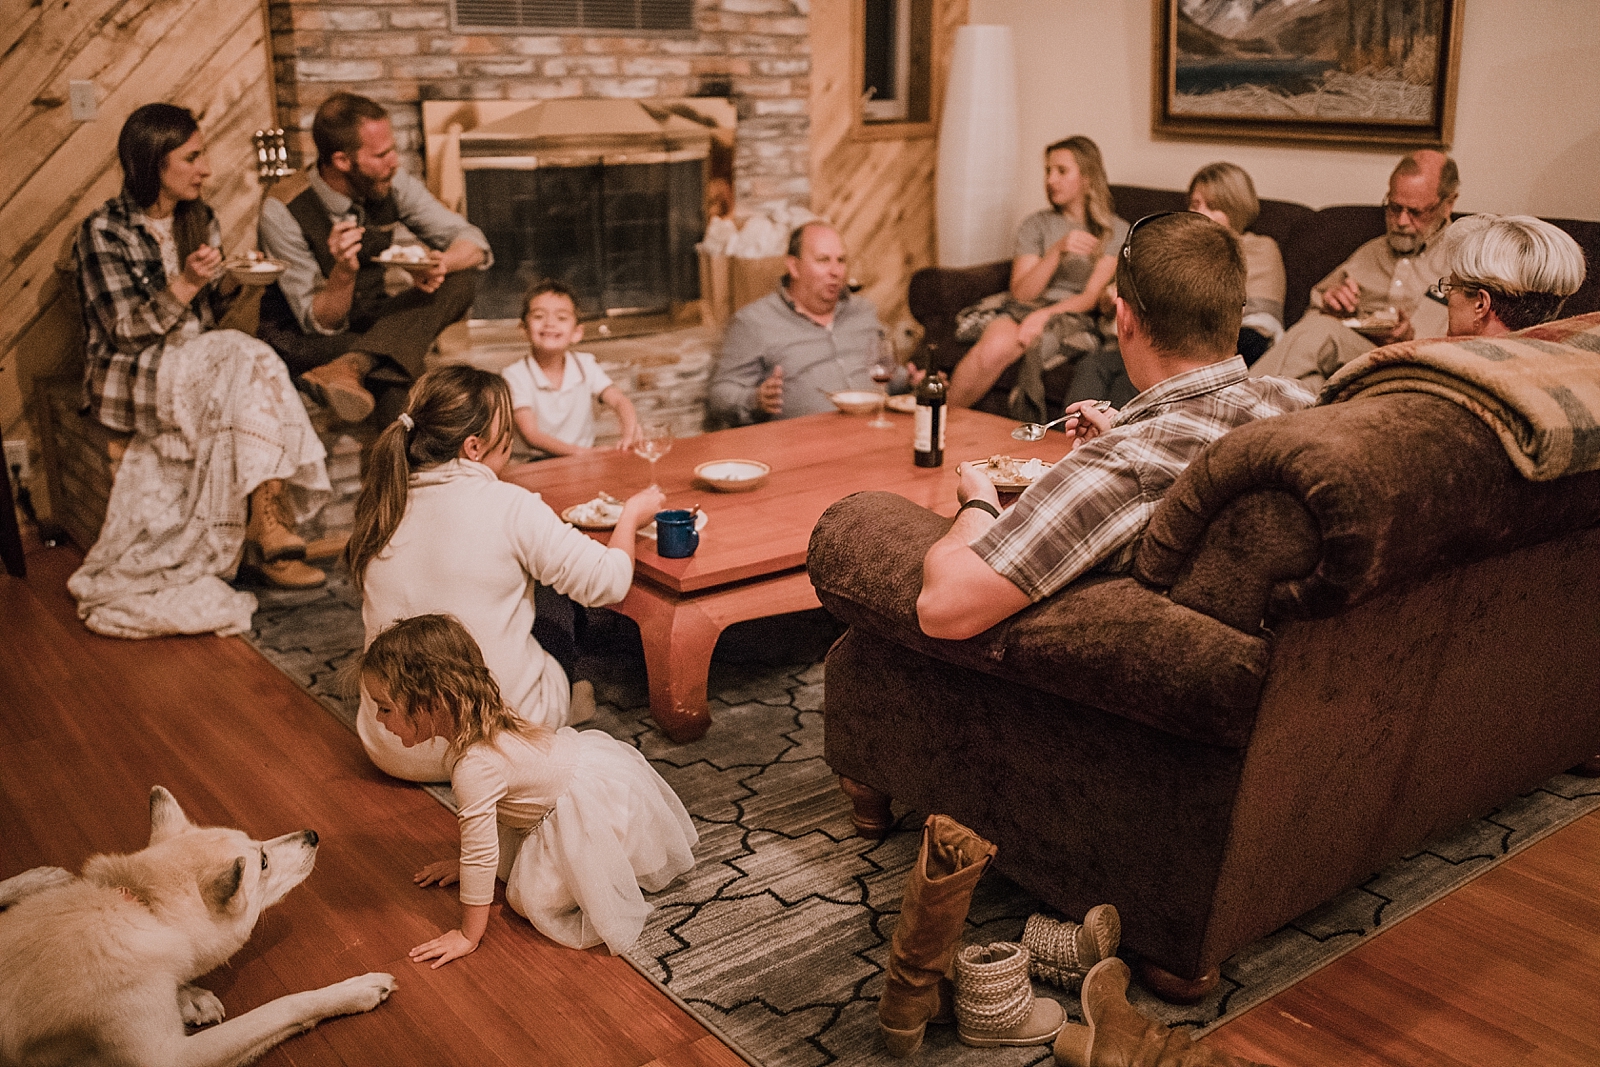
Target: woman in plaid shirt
223,460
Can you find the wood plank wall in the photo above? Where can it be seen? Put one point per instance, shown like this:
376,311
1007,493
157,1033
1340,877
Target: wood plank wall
208,55
879,191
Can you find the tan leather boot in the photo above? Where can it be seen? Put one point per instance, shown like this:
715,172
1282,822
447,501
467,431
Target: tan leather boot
1118,1036
338,386
290,574
271,526
933,911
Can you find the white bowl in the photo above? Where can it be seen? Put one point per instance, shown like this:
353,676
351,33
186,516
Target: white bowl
733,475
856,401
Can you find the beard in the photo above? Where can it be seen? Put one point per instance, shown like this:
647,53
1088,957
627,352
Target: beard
365,188
1405,243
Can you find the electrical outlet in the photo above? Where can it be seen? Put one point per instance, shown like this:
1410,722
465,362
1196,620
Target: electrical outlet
84,104
17,460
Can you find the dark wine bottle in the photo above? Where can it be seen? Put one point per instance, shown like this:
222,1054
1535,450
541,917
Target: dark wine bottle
927,441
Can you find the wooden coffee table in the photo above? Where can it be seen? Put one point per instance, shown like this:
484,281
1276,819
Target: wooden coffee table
752,554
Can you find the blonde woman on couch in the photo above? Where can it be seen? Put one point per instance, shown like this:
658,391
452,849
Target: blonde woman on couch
1224,193
1065,258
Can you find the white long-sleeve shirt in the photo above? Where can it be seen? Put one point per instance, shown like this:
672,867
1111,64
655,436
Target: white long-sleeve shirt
473,546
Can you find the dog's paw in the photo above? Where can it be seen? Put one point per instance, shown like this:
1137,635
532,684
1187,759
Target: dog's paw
199,1007
28,883
364,992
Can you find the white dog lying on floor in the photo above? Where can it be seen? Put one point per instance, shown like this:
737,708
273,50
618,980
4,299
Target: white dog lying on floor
97,969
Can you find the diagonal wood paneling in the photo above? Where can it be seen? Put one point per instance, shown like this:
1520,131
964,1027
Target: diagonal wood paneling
879,191
208,55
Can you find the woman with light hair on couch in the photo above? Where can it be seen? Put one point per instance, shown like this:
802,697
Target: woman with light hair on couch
1507,272
1224,193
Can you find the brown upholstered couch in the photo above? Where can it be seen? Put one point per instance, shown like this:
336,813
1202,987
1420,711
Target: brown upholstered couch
1312,243
1347,629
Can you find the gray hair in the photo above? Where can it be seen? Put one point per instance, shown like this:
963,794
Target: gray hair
1528,266
1516,254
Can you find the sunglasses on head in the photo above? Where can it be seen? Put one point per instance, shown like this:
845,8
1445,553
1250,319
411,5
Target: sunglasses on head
1127,253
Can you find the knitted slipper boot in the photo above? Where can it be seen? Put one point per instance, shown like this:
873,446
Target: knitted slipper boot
1061,953
995,1004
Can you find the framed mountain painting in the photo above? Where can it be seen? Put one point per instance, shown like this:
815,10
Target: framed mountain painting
1356,72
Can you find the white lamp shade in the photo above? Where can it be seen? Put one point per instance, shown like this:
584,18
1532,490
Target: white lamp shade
978,149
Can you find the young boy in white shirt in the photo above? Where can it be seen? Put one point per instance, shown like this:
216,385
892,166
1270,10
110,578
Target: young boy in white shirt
552,387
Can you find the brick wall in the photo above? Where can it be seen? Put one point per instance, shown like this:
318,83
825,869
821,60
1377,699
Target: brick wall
400,52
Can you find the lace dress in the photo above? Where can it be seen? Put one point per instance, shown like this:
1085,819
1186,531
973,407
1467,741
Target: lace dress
230,419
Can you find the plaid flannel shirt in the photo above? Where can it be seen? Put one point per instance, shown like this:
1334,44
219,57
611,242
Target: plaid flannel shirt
128,312
1091,509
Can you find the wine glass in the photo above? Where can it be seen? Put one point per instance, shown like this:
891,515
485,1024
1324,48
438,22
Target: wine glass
653,441
882,372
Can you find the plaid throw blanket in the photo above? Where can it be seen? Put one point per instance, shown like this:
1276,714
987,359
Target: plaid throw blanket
1538,389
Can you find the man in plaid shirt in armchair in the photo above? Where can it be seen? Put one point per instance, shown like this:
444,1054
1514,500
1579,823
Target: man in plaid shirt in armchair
1180,294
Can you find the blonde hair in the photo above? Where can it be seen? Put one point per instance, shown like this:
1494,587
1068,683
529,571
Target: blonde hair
446,406
1099,212
1228,188
1528,266
431,661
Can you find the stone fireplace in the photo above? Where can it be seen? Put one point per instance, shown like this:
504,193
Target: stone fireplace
756,54
605,195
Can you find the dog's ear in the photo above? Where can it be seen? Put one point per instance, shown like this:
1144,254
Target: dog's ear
221,891
167,819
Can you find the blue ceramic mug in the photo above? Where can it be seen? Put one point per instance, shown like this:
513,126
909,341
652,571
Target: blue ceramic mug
676,536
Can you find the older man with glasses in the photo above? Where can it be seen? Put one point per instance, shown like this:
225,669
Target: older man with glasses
1383,287
1180,296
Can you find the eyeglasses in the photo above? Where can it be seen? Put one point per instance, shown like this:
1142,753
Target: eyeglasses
1441,289
1396,211
1127,253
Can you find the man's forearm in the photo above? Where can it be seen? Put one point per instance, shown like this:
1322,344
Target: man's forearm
462,254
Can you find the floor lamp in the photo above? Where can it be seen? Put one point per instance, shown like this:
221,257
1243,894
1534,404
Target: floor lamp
978,149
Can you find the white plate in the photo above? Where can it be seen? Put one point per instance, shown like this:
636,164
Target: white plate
904,403
649,528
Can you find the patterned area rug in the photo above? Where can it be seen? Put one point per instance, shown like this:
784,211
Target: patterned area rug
777,940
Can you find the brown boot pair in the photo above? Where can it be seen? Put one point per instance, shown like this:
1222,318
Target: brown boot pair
1118,1036
272,548
339,386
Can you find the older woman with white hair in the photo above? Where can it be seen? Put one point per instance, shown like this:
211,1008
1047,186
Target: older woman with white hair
1508,272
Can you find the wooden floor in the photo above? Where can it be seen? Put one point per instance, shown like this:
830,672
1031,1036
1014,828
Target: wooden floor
1500,973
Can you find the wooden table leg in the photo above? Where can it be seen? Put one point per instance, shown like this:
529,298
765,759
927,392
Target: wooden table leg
679,636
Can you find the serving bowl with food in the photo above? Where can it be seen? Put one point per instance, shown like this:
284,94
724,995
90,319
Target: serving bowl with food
856,401
254,268
733,475
418,260
1011,475
601,513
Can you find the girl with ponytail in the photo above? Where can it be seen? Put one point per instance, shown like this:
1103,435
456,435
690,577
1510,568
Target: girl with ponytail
436,531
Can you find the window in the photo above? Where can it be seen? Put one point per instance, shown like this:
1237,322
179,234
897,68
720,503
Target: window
624,15
895,60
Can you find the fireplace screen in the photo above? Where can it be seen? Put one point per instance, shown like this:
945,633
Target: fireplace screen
620,236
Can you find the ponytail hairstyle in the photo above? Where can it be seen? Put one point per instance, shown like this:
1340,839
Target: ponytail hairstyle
446,406
1098,210
148,137
431,661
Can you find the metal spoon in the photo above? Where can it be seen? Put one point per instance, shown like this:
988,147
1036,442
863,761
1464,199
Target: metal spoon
1033,431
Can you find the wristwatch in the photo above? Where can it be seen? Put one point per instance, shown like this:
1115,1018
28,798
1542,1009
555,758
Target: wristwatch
981,505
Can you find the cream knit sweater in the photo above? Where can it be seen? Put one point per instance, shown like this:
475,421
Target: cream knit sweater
473,546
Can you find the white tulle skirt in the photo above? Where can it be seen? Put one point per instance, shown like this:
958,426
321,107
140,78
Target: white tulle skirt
619,827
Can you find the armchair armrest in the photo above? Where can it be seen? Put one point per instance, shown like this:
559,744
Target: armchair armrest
935,296
1106,642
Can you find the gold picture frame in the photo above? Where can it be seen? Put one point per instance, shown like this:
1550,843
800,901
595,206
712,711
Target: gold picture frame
1374,73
